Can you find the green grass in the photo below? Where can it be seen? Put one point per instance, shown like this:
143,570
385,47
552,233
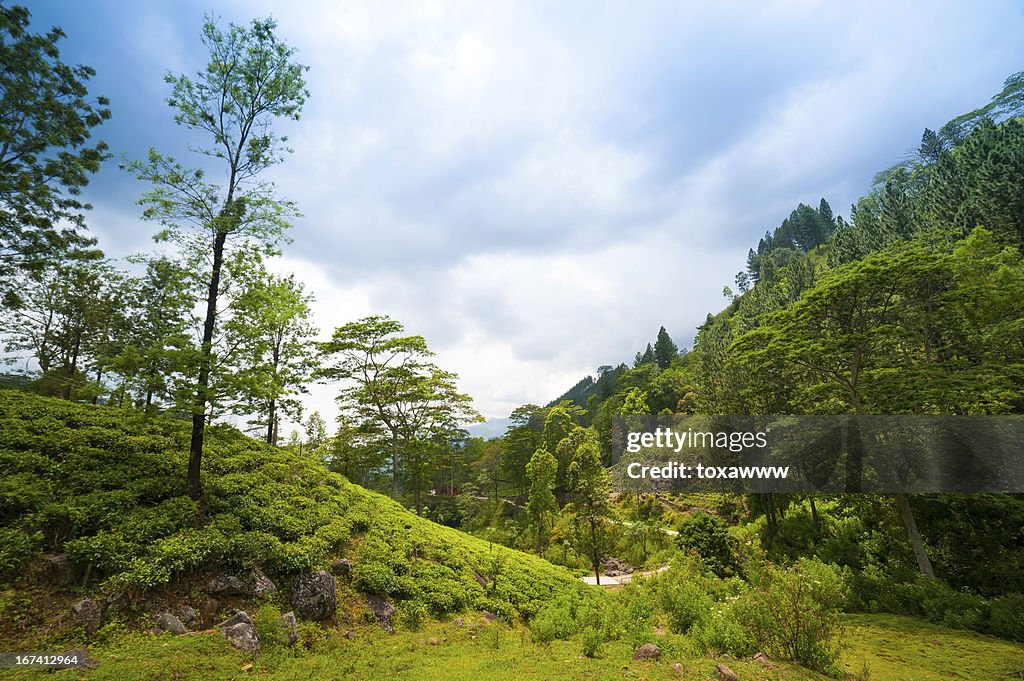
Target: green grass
896,648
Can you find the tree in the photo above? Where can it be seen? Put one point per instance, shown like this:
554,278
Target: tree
316,434
390,385
664,349
249,82
46,121
589,485
646,357
541,471
269,346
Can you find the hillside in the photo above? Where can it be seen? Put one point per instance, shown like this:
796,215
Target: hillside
105,487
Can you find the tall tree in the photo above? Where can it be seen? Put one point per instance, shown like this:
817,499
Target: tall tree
270,339
249,82
665,350
589,485
541,471
46,121
389,383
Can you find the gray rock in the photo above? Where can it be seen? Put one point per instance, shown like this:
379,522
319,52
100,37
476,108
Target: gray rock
342,567
189,617
725,674
88,612
170,623
240,632
83,658
240,617
350,635
62,569
262,586
290,626
764,660
647,651
226,585
242,636
489,616
313,595
382,610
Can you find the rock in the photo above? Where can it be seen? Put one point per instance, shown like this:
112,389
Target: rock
764,660
89,613
382,610
489,616
170,623
678,669
647,651
480,579
262,586
242,636
434,641
613,567
209,608
458,622
341,567
62,569
725,674
240,632
350,635
189,617
239,617
290,626
313,595
225,585
155,631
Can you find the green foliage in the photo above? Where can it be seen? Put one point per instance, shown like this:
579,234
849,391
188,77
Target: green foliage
106,494
706,535
793,613
46,120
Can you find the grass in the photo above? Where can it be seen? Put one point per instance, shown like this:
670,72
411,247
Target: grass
897,648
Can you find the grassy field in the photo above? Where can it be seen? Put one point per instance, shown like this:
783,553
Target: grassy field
885,647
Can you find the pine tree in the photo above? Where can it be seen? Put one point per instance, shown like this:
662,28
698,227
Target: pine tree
664,349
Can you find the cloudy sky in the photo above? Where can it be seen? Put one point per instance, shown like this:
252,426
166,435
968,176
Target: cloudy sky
537,187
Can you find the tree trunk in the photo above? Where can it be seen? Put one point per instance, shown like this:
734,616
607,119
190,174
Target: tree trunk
195,454
394,468
270,422
907,516
814,513
596,559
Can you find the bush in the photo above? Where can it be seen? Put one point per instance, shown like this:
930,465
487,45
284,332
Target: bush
1006,617
794,614
707,536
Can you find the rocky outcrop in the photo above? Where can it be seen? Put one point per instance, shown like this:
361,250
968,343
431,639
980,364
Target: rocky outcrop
341,567
313,595
614,567
189,617
256,583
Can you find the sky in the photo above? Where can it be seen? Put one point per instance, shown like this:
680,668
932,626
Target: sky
534,187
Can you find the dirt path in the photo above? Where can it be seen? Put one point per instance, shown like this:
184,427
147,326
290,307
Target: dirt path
620,579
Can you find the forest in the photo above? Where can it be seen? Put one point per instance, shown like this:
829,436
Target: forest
157,522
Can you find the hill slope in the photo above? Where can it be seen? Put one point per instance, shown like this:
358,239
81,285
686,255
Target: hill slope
106,487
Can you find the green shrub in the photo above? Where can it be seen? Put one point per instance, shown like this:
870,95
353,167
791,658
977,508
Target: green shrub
413,614
17,547
794,613
554,621
719,632
706,535
1006,617
592,641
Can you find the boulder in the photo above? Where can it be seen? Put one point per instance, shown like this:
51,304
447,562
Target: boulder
239,617
764,660
225,585
83,658
313,595
261,585
189,617
242,636
88,612
169,623
350,635
341,567
290,627
240,632
489,616
382,610
725,674
647,651
458,621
